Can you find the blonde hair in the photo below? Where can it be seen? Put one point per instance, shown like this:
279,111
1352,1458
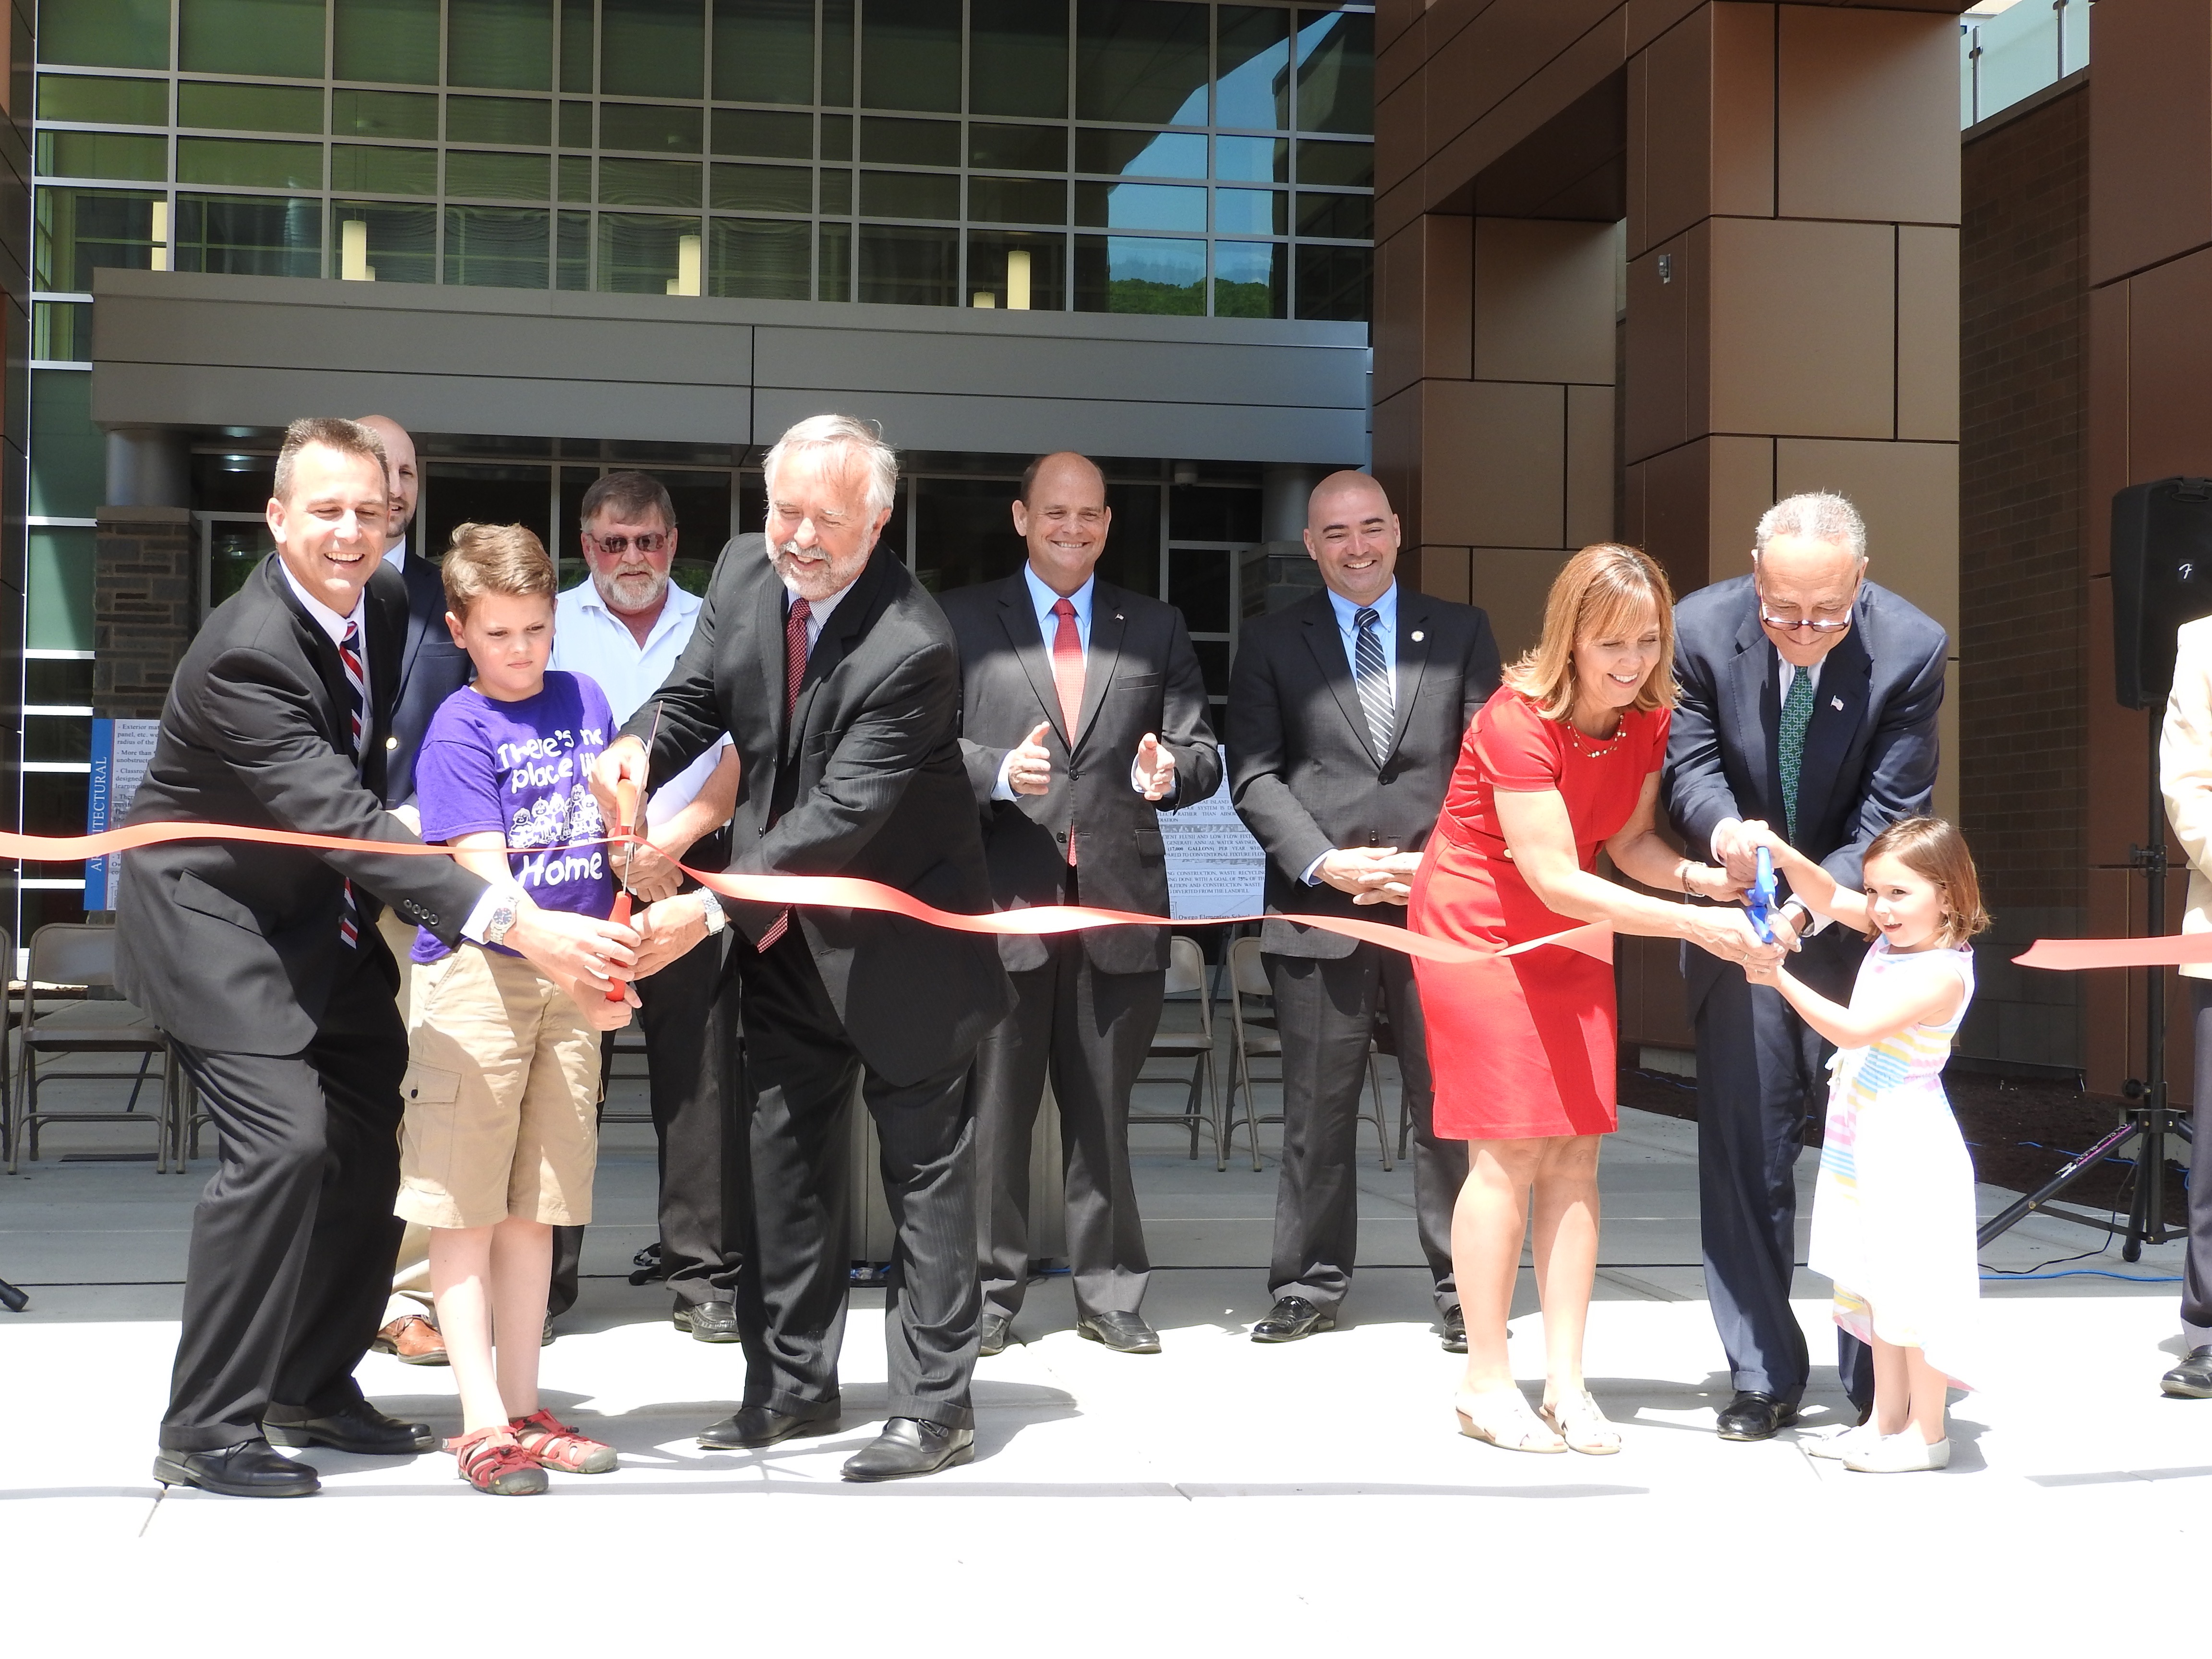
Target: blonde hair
1601,589
1933,850
494,558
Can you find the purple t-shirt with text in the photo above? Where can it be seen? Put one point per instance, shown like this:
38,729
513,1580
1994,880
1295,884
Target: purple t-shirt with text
522,770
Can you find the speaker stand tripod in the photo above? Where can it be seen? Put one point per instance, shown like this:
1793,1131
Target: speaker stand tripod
2150,1120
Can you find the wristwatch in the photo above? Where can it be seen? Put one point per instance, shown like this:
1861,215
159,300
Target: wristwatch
501,918
711,913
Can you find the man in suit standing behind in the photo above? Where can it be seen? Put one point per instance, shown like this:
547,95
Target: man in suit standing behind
834,675
1809,698
257,964
1345,713
1083,718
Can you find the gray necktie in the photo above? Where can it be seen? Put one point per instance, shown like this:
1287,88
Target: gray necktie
1373,677
1796,715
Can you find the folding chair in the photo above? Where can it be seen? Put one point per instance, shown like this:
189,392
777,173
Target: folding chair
84,953
1258,1035
1185,973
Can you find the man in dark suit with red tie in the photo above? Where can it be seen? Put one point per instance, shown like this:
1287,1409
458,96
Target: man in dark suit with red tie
260,966
1083,718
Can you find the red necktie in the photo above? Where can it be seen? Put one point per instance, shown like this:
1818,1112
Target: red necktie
1067,679
795,670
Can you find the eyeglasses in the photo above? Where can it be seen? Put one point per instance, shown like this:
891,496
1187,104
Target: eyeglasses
1799,624
652,542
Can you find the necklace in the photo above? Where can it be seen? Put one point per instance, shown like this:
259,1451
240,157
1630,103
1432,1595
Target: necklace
1593,748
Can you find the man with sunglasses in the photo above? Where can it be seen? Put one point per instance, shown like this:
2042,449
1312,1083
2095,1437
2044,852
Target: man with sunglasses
1808,700
624,626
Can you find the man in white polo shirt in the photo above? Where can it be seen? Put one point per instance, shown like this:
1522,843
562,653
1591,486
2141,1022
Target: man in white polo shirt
624,626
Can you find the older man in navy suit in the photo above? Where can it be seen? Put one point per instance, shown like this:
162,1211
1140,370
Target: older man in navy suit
1809,703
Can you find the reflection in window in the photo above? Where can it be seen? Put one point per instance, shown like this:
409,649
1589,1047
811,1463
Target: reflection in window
247,108
763,132
643,253
1141,207
68,455
1255,86
495,247
385,40
1350,217
1336,72
106,98
113,34
1251,279
103,155
763,190
761,259
498,121
500,43
1018,200
907,265
910,143
1324,163
76,232
249,236
1162,155
355,114
1262,160
1017,149
1143,274
1333,282
764,51
384,172
1251,212
250,162
399,243
649,126
1141,60
653,48
61,333
1013,270
250,37
910,54
1017,57
911,196
648,184
499,175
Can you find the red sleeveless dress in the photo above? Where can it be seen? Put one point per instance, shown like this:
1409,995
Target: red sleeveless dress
1526,1045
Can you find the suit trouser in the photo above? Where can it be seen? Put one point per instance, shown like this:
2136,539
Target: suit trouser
2196,1269
1326,1008
792,1289
1091,1030
293,1240
1761,1071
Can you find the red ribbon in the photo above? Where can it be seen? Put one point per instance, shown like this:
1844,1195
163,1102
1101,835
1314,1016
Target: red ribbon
845,892
2068,955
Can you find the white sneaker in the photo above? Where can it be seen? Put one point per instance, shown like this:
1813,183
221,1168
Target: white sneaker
1900,1454
1841,1442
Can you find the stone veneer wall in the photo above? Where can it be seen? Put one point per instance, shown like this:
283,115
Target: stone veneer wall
145,603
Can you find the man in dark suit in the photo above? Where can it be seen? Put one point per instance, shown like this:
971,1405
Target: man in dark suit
431,666
1082,718
260,966
1808,702
836,677
1345,713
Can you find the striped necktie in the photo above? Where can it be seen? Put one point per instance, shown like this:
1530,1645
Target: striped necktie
1796,715
1373,677
356,712
794,675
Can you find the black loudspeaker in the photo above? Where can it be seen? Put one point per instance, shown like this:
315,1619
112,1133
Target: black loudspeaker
2161,578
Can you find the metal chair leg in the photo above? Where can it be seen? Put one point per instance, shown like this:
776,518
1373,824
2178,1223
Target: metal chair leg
1382,1134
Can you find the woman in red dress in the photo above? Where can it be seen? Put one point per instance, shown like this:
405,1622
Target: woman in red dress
1563,760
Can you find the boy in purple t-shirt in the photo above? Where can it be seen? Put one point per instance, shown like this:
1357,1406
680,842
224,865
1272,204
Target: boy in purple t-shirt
501,1136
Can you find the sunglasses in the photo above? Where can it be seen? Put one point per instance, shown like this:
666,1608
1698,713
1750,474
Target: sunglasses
651,543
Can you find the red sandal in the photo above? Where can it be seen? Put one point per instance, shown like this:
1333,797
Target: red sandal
554,1445
492,1461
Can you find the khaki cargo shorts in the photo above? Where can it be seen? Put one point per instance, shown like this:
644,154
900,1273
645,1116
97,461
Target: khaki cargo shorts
502,1096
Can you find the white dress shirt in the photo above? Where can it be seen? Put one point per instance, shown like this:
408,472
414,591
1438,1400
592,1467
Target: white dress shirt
1043,598
1386,634
590,638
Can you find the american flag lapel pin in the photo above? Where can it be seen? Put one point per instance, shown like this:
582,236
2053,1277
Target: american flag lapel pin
1836,703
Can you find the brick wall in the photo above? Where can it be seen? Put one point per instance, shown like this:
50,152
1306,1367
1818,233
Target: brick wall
144,607
2022,686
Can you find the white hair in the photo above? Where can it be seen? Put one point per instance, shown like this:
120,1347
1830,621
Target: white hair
1819,515
818,433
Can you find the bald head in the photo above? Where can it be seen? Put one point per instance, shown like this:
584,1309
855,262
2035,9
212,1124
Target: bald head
1353,535
1063,516
406,481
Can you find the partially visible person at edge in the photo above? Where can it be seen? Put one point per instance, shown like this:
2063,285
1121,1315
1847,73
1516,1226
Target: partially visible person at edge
2184,776
1562,762
263,970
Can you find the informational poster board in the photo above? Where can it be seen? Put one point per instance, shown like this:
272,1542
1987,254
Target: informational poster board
120,751
1214,867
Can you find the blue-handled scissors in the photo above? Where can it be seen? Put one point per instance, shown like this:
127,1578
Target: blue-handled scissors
1761,902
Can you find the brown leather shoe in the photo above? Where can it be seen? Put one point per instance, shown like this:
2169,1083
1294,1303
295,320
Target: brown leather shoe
412,1339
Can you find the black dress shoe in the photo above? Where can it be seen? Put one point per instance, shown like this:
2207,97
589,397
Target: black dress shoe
1124,1333
910,1446
1454,1330
1291,1318
2191,1379
359,1428
249,1469
993,1334
753,1426
1755,1417
708,1322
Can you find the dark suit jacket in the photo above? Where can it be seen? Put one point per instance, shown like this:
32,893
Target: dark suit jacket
431,669
1139,675
1871,748
867,782
1302,767
233,945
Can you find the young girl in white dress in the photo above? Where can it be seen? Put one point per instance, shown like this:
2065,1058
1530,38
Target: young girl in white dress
1893,1219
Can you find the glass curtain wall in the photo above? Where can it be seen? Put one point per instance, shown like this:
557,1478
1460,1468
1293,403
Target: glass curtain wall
1172,156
